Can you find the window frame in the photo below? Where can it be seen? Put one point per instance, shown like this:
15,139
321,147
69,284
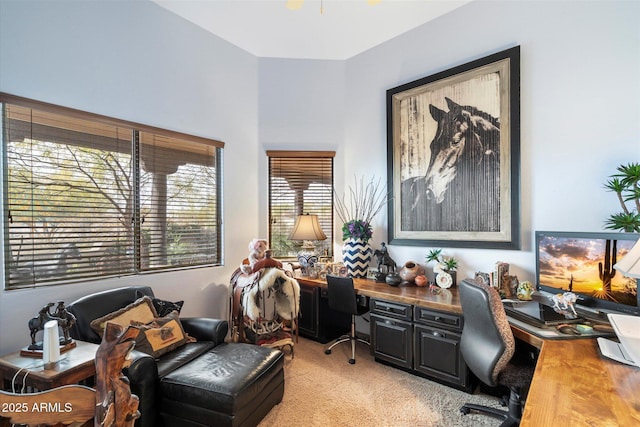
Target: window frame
328,220
214,146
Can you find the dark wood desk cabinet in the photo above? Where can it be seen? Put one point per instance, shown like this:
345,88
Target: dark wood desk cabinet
391,329
421,340
316,320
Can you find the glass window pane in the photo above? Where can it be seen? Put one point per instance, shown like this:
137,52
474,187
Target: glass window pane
299,184
179,203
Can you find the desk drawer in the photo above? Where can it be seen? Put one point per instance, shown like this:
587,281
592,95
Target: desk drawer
392,309
439,319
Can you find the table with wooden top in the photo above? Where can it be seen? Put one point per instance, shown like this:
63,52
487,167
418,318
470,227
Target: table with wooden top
573,385
74,366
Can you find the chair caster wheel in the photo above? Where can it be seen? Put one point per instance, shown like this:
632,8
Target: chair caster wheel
352,361
465,410
327,352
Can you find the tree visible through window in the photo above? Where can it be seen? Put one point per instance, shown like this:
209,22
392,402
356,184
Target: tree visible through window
300,182
87,196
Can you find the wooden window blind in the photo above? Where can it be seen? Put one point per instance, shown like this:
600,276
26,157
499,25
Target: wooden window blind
300,182
86,196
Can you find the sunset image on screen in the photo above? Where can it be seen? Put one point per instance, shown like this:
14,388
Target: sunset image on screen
586,266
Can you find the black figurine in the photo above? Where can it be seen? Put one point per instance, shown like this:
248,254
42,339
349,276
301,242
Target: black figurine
65,320
386,265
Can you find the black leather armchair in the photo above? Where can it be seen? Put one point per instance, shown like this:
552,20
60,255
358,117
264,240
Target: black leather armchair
488,346
165,386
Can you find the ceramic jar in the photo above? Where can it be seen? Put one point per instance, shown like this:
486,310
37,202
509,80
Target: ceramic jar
421,280
410,270
393,279
356,255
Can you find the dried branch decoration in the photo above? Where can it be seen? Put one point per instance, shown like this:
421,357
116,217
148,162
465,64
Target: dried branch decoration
358,206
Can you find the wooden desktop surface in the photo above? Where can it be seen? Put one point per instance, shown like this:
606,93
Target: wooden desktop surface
573,385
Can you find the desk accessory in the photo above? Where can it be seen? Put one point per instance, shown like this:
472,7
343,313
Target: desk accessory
51,343
627,329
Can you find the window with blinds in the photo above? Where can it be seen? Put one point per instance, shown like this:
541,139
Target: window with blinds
300,182
87,196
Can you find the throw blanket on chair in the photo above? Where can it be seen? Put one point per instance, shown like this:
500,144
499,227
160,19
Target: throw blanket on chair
262,303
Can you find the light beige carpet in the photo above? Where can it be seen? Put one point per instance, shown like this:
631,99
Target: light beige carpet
325,390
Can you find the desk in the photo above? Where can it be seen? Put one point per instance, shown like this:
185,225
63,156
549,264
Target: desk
573,385
446,299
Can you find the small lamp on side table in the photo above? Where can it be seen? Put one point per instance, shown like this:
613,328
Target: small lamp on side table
307,229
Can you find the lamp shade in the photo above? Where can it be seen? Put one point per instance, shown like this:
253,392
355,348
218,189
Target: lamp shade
307,227
630,264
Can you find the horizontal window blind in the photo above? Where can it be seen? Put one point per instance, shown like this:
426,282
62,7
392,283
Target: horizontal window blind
179,203
300,182
88,198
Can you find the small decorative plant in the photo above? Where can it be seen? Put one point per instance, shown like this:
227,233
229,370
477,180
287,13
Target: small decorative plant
626,185
447,264
357,208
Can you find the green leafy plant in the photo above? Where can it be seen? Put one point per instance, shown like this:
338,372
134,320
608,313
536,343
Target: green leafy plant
446,263
625,183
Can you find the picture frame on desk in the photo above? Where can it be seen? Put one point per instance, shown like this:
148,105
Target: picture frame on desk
453,153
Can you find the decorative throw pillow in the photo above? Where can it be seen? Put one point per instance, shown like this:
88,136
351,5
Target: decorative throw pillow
141,310
161,335
163,307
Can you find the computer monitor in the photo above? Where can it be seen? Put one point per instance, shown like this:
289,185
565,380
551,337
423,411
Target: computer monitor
582,263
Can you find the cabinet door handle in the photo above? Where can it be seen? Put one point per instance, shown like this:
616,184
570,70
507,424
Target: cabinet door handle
437,318
437,334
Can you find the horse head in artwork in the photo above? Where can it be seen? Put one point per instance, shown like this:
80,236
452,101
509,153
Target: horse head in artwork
465,137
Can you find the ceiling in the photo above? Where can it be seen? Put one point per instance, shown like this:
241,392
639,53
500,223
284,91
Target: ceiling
344,28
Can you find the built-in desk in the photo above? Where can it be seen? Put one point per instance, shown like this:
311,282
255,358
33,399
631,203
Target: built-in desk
573,385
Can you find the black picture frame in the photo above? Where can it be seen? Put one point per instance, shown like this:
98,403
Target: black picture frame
453,156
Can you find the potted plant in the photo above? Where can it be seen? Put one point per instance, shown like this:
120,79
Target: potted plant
444,269
626,185
356,208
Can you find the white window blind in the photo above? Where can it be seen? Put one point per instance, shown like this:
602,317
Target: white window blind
179,202
300,182
88,197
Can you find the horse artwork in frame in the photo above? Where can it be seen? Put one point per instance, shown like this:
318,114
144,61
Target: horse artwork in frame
453,153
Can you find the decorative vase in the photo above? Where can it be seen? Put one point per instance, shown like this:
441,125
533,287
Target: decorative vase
356,255
421,280
393,279
410,270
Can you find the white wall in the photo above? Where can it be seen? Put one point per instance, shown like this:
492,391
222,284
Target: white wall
136,61
301,107
580,107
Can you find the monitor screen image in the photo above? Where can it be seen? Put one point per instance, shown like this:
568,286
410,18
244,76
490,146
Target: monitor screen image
582,263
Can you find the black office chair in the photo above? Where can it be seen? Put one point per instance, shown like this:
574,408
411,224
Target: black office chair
487,346
342,298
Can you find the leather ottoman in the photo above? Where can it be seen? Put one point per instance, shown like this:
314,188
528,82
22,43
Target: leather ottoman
230,385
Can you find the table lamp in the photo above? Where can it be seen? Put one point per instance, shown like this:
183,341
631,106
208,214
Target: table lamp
630,264
307,228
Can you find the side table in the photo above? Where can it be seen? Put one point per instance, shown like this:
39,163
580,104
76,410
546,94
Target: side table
74,366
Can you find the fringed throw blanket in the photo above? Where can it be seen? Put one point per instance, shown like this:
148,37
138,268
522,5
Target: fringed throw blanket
261,303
